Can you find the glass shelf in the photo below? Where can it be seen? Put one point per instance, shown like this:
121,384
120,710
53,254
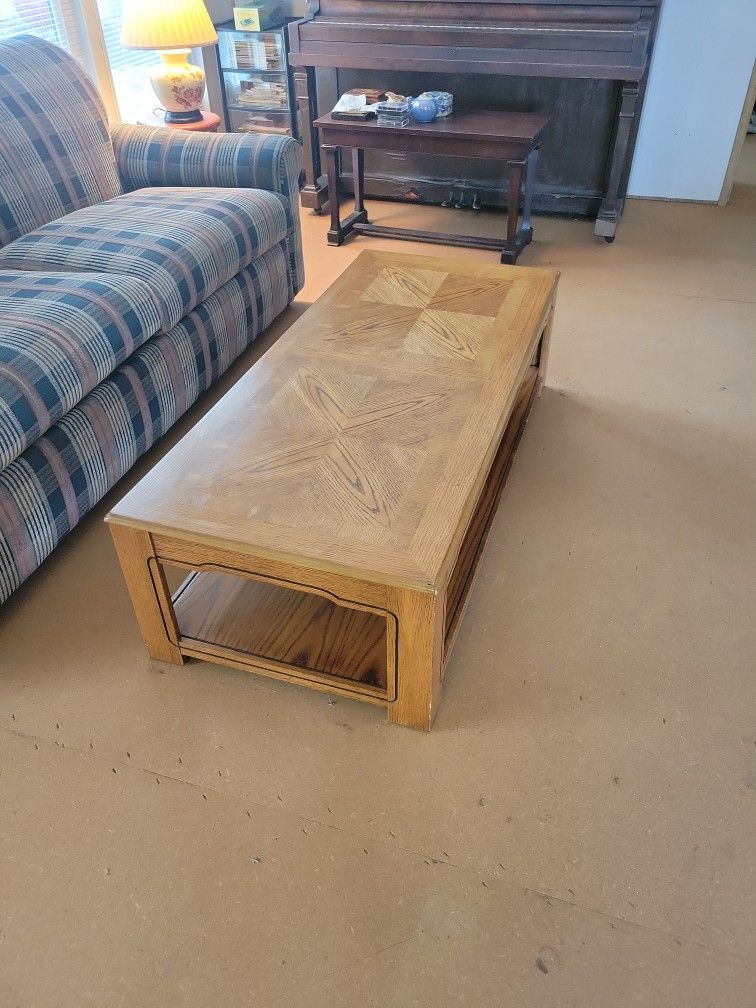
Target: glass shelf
264,51
259,108
275,121
248,90
256,70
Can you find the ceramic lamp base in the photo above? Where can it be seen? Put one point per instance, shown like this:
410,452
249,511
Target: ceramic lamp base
179,86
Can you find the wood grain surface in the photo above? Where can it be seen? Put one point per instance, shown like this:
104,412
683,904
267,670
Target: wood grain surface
462,125
292,627
148,590
464,569
362,439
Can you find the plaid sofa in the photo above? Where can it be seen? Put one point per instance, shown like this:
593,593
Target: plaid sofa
135,265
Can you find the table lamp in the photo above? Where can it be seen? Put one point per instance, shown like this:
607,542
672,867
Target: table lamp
173,28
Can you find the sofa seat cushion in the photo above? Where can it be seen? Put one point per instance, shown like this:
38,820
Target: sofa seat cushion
45,492
183,243
60,336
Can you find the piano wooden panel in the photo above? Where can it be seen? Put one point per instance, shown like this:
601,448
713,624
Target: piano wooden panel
584,64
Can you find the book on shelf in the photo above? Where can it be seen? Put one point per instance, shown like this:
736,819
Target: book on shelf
262,124
262,93
257,54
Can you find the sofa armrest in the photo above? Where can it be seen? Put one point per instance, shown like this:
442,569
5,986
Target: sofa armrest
170,157
167,157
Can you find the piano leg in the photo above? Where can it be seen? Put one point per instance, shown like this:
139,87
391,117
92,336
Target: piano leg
314,194
518,238
610,210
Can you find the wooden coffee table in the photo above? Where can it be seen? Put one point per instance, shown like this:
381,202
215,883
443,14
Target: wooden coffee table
327,514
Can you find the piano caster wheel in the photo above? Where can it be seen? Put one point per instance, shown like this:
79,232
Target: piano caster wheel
476,203
449,201
609,239
460,204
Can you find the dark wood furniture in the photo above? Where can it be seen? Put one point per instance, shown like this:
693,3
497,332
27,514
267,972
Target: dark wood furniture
583,61
509,137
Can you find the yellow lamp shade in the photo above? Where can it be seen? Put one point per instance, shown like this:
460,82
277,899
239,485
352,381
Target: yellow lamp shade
166,24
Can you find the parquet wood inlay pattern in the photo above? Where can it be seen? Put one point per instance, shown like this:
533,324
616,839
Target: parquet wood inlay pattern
360,441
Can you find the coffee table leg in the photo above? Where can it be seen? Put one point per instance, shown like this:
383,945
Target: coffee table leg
148,589
420,650
543,350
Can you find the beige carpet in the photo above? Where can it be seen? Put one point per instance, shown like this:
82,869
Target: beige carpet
580,827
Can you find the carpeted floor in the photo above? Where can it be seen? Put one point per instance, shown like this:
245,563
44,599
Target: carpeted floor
579,829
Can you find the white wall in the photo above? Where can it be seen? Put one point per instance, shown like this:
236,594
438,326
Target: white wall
699,77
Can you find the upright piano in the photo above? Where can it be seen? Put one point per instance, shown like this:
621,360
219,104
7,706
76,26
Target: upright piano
583,63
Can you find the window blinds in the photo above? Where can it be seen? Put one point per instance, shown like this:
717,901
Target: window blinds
130,67
34,17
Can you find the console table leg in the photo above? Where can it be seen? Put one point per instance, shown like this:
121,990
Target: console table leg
358,177
149,593
420,654
341,229
332,171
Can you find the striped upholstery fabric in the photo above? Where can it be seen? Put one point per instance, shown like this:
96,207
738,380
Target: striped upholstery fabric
134,267
183,243
55,150
47,489
60,335
161,157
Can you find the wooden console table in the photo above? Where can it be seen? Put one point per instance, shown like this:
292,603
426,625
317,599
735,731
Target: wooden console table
511,137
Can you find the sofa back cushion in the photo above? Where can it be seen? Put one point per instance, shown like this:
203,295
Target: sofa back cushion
55,149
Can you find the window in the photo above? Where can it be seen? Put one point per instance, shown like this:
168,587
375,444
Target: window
130,67
45,18
73,25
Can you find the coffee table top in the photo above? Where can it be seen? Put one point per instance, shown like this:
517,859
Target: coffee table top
359,442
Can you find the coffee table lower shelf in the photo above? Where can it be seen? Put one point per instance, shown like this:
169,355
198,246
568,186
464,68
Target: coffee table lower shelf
385,645
286,631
